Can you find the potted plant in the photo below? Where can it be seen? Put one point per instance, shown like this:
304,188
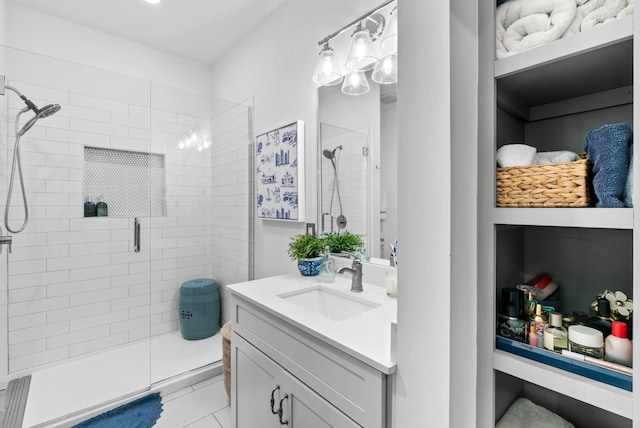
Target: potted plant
307,250
345,242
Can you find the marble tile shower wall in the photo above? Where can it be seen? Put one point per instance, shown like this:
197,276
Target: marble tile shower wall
75,284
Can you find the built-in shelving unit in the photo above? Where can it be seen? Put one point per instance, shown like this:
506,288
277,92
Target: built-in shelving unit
549,97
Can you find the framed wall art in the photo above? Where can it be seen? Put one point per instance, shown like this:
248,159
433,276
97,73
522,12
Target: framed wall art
280,173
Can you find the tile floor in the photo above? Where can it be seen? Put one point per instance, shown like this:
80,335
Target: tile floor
203,405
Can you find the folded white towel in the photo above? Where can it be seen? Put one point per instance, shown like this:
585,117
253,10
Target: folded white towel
523,413
515,155
585,7
525,24
605,13
541,158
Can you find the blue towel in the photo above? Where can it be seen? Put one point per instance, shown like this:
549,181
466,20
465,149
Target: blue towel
608,150
628,190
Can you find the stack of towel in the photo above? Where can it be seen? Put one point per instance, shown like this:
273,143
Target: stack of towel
524,155
610,151
526,24
523,413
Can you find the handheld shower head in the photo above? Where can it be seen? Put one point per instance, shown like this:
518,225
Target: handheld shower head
331,154
48,110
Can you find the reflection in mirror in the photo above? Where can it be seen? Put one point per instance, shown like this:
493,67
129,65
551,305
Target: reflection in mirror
358,136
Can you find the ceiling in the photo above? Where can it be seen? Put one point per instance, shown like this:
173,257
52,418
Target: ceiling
200,30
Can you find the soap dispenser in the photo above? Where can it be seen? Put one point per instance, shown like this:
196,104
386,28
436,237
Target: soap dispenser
89,208
101,208
327,267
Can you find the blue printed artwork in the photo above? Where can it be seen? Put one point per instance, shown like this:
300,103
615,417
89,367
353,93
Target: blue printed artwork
278,177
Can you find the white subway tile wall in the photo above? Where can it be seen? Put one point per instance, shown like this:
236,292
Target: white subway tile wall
75,285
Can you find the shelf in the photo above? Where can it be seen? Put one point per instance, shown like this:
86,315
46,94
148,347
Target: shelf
599,218
597,394
600,59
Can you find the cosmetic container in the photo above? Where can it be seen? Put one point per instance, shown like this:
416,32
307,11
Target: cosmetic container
533,339
586,341
511,321
555,336
617,347
602,321
540,323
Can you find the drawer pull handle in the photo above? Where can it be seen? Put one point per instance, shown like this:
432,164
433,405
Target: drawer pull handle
273,400
280,411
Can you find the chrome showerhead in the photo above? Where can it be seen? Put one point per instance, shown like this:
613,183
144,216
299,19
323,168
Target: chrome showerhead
331,154
47,111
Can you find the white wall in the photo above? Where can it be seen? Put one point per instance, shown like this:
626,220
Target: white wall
274,63
40,33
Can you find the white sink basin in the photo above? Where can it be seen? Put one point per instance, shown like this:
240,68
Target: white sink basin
329,303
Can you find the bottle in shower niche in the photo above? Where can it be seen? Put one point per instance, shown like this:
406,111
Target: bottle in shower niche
555,335
89,208
540,323
102,210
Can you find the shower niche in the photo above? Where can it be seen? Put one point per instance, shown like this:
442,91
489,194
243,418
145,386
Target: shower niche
131,183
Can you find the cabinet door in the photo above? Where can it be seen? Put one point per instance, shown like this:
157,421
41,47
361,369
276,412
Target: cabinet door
306,409
255,379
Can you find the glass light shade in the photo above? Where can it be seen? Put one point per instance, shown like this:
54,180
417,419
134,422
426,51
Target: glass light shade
389,40
386,70
362,55
327,72
355,83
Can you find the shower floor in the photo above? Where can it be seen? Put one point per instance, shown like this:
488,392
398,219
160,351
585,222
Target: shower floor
73,386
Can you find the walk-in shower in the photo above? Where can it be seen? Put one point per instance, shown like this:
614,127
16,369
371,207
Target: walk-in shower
39,113
341,220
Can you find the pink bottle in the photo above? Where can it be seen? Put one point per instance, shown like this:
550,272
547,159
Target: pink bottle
617,347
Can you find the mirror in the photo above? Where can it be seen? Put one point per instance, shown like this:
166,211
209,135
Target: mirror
357,158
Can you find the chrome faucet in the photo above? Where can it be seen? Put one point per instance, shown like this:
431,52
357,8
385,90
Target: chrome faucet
356,274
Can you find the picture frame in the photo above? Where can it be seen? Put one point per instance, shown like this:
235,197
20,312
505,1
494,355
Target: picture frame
279,173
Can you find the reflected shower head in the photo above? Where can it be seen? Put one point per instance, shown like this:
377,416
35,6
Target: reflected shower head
331,154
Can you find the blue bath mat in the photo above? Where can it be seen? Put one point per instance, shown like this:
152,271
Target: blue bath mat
141,413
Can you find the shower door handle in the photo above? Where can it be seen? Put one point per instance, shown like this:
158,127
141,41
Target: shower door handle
136,235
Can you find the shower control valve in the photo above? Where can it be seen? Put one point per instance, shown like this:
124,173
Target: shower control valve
6,240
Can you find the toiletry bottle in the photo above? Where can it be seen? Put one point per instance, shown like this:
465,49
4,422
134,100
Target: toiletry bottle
391,281
581,317
540,324
586,341
533,339
327,267
555,336
89,208
602,321
511,321
101,208
617,347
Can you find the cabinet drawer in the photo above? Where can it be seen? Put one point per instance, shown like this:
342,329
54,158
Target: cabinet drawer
355,388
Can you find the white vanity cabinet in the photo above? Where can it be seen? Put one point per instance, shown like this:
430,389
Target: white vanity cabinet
549,97
313,374
269,396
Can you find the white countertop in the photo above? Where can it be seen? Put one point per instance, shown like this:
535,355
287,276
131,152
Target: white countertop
365,336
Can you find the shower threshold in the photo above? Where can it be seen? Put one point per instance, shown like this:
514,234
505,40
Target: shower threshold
65,393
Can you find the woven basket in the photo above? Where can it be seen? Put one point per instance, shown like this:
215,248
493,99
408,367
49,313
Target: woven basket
549,185
226,356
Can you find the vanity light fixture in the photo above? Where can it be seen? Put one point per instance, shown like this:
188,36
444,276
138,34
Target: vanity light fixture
365,53
355,83
362,55
327,71
386,70
389,40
